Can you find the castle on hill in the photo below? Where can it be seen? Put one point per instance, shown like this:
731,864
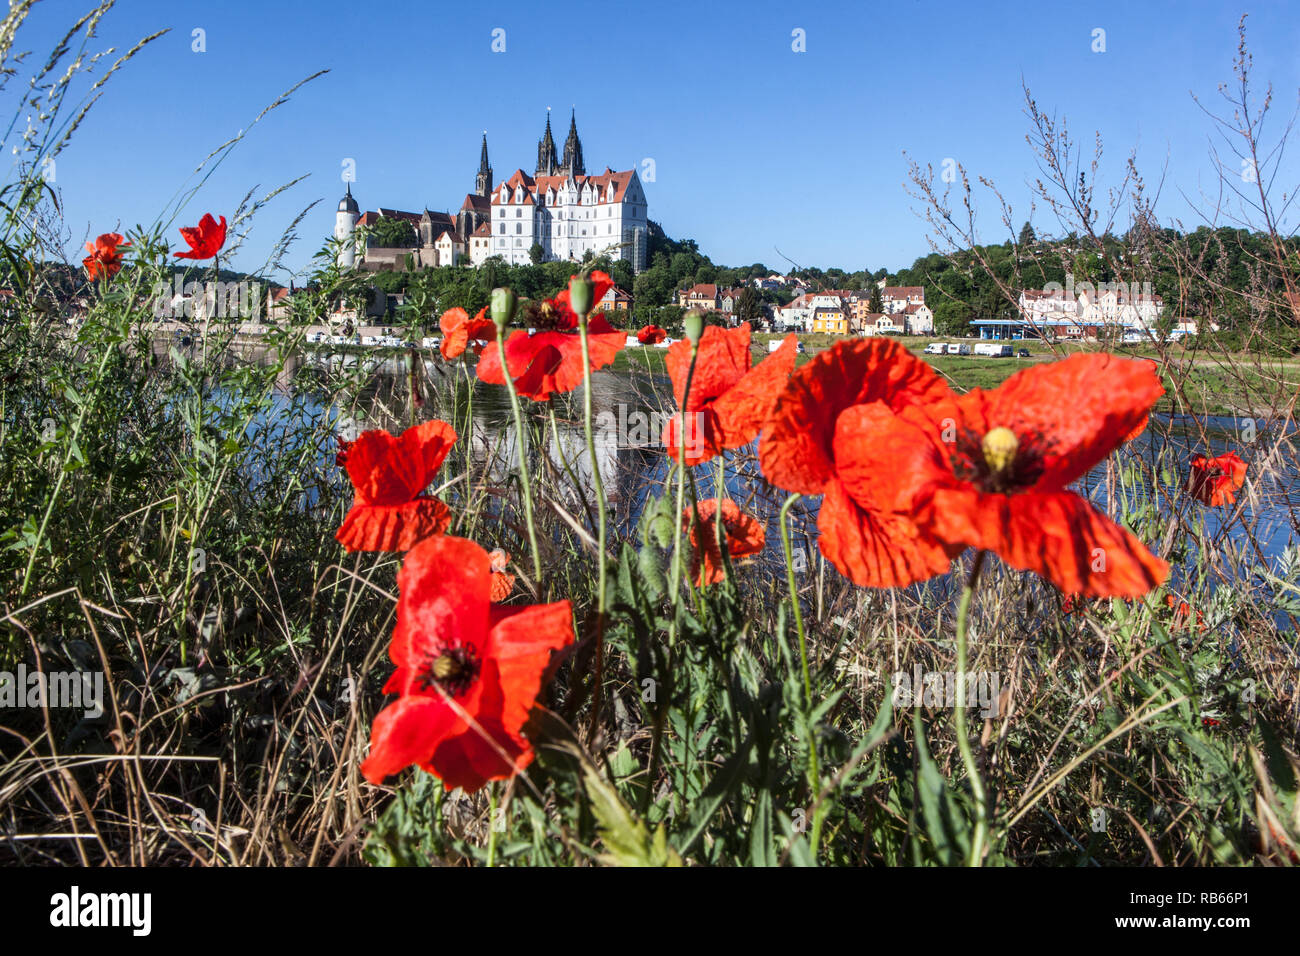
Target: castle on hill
559,208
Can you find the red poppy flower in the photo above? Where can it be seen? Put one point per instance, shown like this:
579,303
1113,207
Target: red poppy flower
458,329
205,240
1183,614
550,359
845,398
341,455
468,671
730,402
744,536
391,512
105,256
1216,481
651,335
502,582
990,470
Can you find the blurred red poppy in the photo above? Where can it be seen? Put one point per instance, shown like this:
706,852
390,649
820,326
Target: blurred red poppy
391,511
105,257
651,335
1216,481
502,581
744,536
468,671
549,359
205,240
729,402
341,454
458,330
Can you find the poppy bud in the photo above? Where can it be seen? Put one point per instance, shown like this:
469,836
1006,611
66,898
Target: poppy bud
693,323
581,290
503,304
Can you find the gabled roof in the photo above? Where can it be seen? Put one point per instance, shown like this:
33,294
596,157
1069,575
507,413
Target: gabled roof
484,230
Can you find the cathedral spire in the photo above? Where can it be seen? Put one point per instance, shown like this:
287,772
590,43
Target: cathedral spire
546,161
483,182
572,165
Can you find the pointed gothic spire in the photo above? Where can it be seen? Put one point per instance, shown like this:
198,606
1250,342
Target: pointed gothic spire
483,166
572,164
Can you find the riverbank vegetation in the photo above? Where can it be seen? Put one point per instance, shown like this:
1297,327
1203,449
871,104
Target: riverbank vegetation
838,611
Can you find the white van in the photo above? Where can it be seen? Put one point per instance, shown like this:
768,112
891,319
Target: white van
955,349
935,348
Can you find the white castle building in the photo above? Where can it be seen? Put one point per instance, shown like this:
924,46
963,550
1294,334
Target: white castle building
560,207
568,212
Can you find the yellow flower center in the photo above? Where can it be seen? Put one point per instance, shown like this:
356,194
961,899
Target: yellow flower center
999,447
447,666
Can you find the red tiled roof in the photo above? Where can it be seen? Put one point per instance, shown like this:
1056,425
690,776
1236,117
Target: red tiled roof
901,291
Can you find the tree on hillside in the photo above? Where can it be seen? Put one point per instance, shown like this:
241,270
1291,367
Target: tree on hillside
1027,235
749,307
535,253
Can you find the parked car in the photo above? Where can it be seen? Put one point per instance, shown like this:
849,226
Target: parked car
1022,353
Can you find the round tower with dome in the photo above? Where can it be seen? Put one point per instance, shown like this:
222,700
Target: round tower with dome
345,227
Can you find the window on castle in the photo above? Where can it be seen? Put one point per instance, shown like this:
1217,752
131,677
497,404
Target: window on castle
519,227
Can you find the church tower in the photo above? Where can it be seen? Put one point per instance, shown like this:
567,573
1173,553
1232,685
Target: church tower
483,182
572,164
547,165
345,227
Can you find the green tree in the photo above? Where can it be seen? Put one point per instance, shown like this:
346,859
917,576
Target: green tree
876,302
535,253
749,308
392,233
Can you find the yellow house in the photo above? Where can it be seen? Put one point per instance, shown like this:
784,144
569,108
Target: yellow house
831,321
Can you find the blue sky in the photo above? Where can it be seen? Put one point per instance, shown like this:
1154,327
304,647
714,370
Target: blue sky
755,147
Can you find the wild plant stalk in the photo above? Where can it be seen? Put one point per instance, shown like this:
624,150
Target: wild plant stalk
523,450
814,773
598,488
980,829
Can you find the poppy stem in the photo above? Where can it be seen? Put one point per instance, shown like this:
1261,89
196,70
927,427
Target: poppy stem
523,457
675,576
598,487
959,717
492,825
814,773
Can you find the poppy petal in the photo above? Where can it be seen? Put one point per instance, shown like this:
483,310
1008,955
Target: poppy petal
876,549
393,527
796,452
1084,406
408,731
745,408
1056,534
